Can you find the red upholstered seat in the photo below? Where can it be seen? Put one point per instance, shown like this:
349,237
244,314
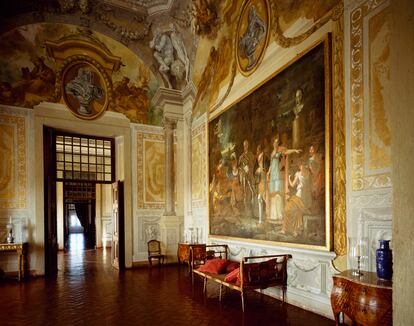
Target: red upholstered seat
214,266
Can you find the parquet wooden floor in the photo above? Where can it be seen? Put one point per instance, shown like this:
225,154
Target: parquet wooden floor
88,291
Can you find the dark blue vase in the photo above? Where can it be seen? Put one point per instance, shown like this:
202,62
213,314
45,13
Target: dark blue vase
384,260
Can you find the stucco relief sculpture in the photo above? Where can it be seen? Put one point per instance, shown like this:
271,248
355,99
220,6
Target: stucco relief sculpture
171,55
83,87
249,42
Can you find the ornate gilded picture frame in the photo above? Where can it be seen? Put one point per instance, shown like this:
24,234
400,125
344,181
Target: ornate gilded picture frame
270,158
252,36
84,88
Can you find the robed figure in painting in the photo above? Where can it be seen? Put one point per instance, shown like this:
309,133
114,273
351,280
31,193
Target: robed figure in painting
276,179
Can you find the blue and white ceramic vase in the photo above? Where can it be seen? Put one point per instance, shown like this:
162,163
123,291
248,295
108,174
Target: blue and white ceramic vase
384,260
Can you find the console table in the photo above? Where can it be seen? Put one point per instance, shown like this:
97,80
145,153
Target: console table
365,299
21,250
183,252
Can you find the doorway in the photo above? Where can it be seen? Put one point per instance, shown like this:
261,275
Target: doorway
74,166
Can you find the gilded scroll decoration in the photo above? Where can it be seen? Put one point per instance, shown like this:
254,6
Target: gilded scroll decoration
363,177
339,162
13,163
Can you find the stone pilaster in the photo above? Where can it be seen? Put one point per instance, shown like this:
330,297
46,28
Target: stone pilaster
169,127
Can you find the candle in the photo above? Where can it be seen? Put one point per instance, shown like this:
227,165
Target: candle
358,250
10,220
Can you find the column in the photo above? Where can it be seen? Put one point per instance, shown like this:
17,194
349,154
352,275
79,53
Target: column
169,127
188,159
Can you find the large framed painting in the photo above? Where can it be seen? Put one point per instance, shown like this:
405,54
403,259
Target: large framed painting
270,158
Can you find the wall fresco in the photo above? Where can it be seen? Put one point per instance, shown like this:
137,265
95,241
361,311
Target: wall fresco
13,161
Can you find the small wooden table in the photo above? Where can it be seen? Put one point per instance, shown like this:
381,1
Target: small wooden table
366,299
21,251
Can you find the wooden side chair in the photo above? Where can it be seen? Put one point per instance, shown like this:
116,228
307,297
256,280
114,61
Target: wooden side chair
154,252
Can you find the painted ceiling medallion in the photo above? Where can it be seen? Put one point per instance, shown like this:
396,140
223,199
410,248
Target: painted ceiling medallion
84,90
253,31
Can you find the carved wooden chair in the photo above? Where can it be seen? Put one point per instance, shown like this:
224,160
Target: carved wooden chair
154,252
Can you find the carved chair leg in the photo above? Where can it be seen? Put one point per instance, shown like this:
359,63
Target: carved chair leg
149,262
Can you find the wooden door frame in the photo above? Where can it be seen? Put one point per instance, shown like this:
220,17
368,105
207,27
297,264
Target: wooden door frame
50,199
50,202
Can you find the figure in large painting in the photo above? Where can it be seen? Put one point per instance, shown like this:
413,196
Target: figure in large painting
317,179
261,167
276,177
246,165
298,121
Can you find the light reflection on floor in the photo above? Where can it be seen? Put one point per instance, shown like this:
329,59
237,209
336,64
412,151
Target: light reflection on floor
74,257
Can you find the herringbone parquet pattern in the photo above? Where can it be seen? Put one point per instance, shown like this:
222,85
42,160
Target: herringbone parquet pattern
88,291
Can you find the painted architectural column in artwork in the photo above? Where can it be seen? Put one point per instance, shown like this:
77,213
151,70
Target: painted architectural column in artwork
169,127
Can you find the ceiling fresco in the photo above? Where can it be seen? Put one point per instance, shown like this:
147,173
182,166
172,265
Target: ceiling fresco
28,74
178,42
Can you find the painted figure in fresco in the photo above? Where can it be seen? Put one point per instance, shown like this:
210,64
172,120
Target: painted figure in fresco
318,178
84,89
261,167
246,165
276,179
132,100
298,122
205,17
36,84
250,40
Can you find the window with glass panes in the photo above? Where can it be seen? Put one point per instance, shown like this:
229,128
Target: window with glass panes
84,158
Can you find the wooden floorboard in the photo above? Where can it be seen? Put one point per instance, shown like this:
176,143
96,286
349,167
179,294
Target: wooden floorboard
88,291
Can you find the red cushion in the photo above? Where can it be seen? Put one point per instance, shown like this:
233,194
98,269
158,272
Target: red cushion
245,281
232,276
214,266
231,266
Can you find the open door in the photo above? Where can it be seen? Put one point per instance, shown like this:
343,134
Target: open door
118,244
49,164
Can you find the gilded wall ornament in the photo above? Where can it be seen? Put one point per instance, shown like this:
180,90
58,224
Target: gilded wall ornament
252,35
